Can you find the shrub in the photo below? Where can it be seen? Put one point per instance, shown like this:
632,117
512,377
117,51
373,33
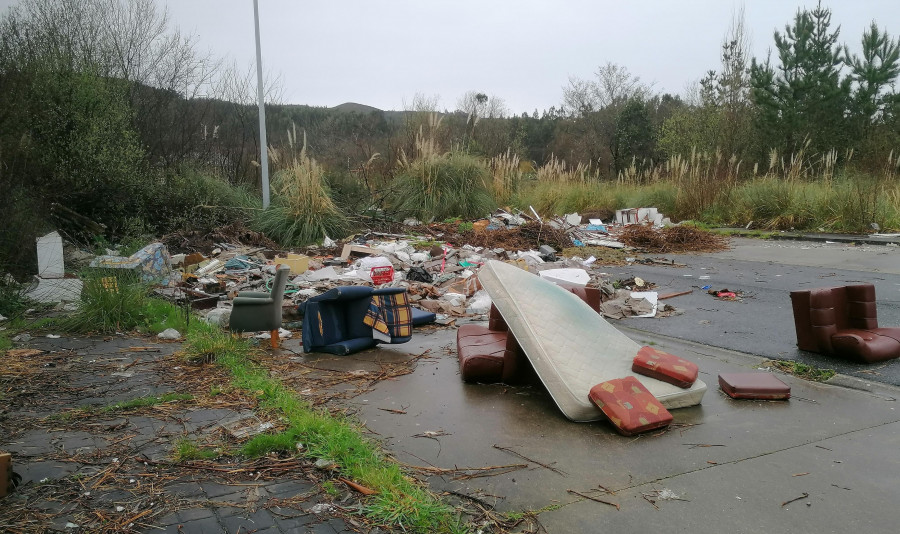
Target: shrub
302,211
109,304
438,186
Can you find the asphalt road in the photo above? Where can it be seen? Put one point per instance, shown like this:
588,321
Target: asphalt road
762,323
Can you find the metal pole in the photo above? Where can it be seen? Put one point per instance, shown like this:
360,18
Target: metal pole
263,146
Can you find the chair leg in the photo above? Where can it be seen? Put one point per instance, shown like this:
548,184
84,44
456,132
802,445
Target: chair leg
275,339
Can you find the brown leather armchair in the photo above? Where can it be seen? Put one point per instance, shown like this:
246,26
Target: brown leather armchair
843,321
490,354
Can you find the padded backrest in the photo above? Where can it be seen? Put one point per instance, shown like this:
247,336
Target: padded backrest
861,310
800,305
281,277
495,320
823,316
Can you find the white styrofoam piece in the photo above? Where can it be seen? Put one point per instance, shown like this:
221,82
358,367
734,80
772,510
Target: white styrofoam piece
577,277
50,256
571,347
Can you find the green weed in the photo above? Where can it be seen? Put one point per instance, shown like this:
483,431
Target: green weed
400,500
12,302
143,402
802,370
109,304
330,488
160,315
5,341
186,451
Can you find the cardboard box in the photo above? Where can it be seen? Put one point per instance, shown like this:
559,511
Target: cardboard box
299,263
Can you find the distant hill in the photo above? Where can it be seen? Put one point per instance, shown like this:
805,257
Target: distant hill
353,107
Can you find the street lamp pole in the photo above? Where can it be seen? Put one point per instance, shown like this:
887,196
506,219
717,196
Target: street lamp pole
263,146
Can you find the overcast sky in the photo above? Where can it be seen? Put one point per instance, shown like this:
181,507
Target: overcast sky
382,53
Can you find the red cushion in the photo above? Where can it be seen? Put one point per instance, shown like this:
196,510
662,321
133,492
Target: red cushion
629,406
664,366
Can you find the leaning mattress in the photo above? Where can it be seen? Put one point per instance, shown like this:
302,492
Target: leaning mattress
571,347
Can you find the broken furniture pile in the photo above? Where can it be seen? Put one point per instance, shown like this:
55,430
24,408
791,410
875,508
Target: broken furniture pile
590,369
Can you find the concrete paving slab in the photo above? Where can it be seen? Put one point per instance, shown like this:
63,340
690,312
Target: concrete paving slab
720,432
850,480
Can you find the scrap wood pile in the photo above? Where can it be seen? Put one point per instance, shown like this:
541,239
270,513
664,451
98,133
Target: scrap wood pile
196,241
672,239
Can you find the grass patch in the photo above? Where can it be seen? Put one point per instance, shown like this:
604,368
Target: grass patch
143,402
400,500
160,315
5,341
108,305
121,303
604,255
802,370
187,450
12,303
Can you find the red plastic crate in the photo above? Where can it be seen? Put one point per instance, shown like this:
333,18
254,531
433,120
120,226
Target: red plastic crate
382,275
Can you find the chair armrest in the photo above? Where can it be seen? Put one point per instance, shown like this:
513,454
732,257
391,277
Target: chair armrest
252,301
254,294
388,291
343,293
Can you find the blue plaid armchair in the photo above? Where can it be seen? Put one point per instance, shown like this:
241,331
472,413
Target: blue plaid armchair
341,321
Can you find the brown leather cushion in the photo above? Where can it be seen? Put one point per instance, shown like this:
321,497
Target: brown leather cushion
481,353
765,386
481,362
868,346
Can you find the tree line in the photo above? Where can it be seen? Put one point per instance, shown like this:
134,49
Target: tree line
110,114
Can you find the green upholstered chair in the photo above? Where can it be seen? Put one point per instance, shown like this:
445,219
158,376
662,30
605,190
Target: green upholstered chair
254,311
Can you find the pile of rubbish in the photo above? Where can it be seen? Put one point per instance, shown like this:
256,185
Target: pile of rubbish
437,263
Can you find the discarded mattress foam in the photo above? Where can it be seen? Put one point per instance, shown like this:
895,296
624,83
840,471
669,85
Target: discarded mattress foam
575,277
570,346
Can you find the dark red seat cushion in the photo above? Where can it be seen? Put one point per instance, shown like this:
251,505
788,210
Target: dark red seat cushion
629,406
867,346
763,386
664,366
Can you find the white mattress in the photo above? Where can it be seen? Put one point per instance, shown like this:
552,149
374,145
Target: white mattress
571,346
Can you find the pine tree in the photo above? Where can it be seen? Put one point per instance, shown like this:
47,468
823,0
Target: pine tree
805,98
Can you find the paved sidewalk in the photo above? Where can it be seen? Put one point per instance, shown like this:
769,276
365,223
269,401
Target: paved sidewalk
726,464
112,469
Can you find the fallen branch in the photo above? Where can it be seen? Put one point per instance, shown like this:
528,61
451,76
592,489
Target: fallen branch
785,503
673,295
593,498
522,456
